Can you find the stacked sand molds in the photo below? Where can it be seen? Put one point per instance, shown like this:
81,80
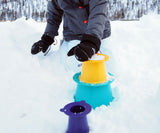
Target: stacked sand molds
93,85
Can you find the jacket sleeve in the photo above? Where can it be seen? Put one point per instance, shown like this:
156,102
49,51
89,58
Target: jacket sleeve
54,18
98,22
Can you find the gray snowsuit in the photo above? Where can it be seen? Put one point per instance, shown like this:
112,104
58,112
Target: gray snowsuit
79,17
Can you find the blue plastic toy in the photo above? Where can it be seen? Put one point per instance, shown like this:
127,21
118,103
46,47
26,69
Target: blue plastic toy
94,94
77,112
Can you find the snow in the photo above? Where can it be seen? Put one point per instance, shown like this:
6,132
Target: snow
34,88
97,57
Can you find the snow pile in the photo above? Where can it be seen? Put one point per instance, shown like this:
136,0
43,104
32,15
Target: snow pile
34,88
97,57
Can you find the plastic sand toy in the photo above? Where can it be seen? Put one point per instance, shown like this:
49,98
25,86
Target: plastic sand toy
77,112
92,83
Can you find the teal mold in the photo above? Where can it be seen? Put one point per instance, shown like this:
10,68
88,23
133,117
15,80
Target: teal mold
94,94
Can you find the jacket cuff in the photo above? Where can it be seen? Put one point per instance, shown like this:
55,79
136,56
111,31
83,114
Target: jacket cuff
92,39
49,40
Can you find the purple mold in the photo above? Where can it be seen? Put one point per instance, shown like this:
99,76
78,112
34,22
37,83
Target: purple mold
77,112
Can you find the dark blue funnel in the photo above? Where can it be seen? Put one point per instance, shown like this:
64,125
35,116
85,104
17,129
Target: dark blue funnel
77,112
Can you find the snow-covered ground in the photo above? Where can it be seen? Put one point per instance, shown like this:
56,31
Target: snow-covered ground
34,88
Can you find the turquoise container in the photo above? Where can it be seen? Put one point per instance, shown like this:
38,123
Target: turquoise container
94,94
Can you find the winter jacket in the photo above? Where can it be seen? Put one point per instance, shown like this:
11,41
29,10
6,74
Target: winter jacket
79,17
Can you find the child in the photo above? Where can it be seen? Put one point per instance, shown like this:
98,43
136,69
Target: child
83,20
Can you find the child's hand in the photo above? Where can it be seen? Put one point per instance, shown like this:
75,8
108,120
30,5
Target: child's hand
82,52
89,46
42,45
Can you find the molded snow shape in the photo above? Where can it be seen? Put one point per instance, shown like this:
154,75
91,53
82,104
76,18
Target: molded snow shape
77,112
92,83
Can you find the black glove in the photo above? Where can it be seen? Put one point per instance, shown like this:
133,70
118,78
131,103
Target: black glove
88,46
42,45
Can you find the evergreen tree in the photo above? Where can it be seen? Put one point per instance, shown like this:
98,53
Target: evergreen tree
116,9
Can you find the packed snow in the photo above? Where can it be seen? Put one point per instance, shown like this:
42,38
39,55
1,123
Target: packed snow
34,88
97,57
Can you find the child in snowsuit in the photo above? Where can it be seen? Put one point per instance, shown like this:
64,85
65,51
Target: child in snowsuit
83,20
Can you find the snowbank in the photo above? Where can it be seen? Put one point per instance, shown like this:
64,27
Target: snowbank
34,88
